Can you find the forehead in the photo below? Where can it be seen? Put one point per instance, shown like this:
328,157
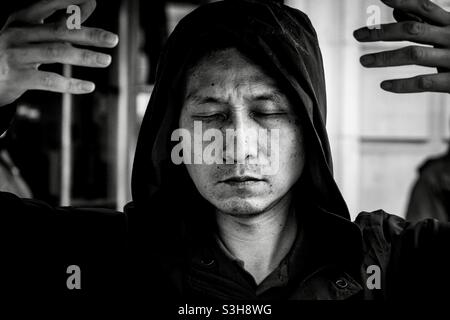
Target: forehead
227,67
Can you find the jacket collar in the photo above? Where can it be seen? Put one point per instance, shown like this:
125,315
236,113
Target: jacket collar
334,246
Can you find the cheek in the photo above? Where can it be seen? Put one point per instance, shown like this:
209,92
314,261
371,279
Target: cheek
198,178
291,143
196,174
292,155
202,176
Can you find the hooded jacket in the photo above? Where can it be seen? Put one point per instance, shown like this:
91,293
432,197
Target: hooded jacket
342,254
171,227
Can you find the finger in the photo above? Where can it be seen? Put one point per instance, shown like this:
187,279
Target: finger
60,53
439,82
411,55
41,10
55,32
423,8
400,16
49,81
405,31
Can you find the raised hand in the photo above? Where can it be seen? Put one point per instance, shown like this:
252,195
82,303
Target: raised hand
27,41
422,22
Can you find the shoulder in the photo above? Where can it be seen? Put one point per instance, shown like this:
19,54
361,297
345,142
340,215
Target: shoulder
380,232
386,230
381,223
30,216
413,257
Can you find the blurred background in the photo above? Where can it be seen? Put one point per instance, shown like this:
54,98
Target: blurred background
78,150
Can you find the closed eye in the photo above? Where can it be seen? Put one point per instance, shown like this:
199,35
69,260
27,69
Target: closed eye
269,113
210,116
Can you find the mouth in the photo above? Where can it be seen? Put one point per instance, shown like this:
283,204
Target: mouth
241,180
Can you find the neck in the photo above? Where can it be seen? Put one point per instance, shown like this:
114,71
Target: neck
260,241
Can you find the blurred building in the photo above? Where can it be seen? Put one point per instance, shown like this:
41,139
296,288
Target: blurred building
378,138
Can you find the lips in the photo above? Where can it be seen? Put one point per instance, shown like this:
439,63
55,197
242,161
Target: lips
241,180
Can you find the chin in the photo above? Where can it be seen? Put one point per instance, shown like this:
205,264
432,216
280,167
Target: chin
242,207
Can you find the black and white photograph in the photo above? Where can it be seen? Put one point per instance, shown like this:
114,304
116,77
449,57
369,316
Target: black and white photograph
227,159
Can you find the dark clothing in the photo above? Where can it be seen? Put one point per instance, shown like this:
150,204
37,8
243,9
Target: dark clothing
39,243
332,263
276,285
172,249
430,196
284,43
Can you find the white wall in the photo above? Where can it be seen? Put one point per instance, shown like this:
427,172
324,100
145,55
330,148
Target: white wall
378,138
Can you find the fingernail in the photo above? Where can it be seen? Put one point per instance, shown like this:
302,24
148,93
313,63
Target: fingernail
367,60
88,86
361,34
386,85
111,38
104,59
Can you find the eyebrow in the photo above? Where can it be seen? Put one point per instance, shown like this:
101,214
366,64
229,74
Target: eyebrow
200,99
273,95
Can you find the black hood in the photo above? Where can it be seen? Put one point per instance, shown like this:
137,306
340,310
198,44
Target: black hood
285,41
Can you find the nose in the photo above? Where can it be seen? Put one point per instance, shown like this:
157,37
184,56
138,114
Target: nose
241,139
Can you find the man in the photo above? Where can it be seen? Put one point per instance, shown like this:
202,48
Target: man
227,227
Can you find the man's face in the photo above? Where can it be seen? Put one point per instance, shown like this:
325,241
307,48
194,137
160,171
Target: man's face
227,92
